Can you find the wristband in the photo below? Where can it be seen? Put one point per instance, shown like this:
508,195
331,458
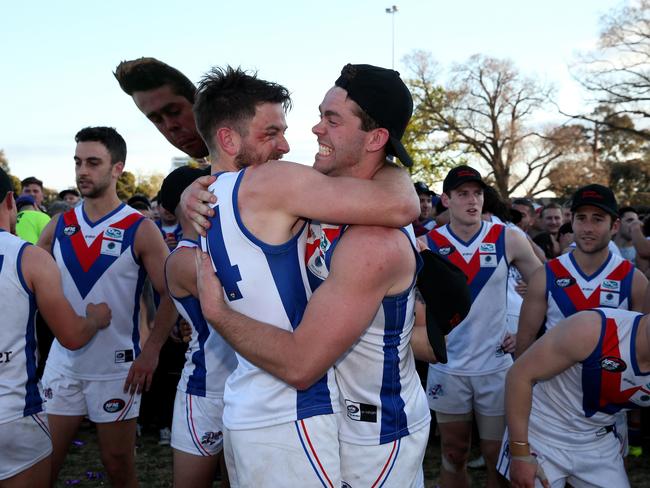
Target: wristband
519,449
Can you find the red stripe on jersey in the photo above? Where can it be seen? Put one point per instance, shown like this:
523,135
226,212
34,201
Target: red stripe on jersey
87,255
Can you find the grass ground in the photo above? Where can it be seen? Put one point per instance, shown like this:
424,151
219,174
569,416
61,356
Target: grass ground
83,467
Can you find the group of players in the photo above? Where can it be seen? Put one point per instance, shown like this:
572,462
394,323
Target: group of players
301,358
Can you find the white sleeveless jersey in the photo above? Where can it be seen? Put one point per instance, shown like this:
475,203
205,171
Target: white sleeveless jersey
576,406
569,290
19,392
209,359
98,264
267,283
474,345
381,396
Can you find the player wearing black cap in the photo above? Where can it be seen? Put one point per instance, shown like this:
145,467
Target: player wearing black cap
472,381
361,316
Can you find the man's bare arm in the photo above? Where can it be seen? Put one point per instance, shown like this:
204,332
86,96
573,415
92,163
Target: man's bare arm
336,315
533,311
419,339
639,287
42,276
152,251
568,343
521,254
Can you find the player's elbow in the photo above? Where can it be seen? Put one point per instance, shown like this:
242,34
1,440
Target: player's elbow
72,342
302,379
408,210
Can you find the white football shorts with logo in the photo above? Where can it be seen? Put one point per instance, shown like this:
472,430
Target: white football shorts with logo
397,464
303,453
198,426
102,401
601,464
23,443
457,394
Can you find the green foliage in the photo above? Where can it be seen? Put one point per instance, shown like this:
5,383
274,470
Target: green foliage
126,185
16,184
629,179
149,185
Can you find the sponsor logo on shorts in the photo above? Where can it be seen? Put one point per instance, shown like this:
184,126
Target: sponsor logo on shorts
5,356
436,391
613,364
125,356
446,250
114,405
70,230
211,438
345,485
47,393
113,233
564,282
499,352
611,285
361,412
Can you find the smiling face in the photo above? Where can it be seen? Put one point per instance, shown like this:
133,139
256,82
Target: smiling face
264,139
465,203
341,141
172,115
592,228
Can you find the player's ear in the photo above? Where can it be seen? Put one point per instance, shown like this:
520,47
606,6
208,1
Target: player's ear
228,140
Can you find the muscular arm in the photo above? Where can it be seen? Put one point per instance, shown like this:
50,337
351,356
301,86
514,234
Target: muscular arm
47,236
521,254
42,276
337,314
151,249
639,286
568,343
533,311
641,244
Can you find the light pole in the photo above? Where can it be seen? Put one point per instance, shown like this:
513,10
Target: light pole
392,11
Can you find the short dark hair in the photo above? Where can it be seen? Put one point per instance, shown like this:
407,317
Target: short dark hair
526,202
623,210
551,205
231,95
109,137
144,74
494,204
6,185
31,180
367,122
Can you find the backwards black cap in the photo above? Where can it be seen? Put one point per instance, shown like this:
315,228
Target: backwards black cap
382,94
174,184
446,294
5,184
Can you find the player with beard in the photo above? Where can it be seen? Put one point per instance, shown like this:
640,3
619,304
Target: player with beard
285,432
104,250
588,276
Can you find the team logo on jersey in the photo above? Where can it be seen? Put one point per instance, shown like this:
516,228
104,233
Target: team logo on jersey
608,299
446,250
613,364
564,282
111,248
70,230
113,233
487,247
488,260
211,438
436,391
611,285
125,356
114,405
361,412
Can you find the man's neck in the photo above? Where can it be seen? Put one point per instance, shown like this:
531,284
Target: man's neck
96,208
590,262
219,164
465,231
